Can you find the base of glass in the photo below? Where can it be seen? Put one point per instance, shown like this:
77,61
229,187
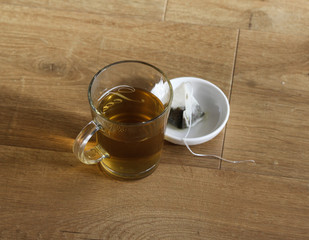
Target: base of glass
125,176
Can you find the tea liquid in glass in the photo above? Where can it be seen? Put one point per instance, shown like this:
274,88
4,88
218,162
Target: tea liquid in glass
132,140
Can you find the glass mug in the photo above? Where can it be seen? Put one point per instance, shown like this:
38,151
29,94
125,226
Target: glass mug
130,103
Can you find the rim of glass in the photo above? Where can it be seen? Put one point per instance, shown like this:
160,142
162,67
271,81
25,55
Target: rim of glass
130,61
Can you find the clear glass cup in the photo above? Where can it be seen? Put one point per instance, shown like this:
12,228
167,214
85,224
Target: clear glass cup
130,103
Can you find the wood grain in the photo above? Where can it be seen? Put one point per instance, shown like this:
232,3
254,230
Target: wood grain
58,198
270,105
45,98
152,10
269,16
49,51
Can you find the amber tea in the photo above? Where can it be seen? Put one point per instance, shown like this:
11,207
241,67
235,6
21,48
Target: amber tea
131,139
128,122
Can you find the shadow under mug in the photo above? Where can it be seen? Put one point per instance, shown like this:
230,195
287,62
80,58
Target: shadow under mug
118,93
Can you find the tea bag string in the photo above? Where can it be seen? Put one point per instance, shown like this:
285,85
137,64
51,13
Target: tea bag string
208,155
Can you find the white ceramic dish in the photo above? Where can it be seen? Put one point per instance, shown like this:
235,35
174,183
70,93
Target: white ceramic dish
213,102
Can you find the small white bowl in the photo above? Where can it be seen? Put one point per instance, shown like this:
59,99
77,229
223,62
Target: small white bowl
215,105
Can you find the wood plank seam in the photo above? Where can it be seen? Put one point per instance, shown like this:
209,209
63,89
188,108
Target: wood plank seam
164,10
230,91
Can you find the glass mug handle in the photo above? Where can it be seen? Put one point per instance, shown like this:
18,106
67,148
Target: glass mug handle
88,157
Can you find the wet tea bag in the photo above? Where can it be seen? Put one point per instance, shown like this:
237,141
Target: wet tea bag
185,109
186,112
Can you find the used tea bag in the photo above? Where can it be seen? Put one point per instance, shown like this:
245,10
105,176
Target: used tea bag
186,112
185,109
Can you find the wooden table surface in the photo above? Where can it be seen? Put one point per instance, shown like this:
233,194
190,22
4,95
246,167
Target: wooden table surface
257,52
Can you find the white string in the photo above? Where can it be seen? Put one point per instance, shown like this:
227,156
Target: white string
208,155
